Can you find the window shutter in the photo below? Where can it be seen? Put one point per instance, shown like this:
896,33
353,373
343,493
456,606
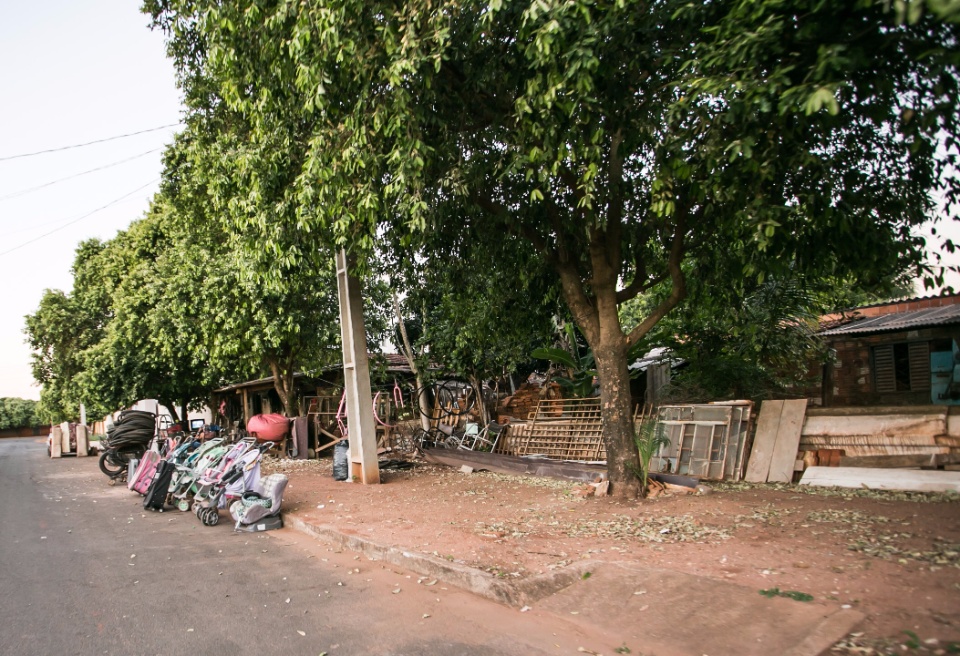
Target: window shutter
883,369
920,366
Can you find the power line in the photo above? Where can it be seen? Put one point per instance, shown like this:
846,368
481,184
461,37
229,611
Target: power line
23,192
80,218
89,143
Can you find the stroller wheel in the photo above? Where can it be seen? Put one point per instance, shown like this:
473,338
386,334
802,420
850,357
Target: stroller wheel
210,517
183,505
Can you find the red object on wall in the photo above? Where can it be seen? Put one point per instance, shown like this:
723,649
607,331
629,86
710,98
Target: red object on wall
268,427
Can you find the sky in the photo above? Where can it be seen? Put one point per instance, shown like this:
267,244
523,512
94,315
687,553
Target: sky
72,73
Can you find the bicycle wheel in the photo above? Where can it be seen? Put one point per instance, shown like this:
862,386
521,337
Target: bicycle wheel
423,439
446,400
425,399
456,398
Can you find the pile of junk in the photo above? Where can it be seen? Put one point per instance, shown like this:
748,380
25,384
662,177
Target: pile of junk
195,473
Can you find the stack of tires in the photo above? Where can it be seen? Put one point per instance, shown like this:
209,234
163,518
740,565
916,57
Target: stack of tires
127,439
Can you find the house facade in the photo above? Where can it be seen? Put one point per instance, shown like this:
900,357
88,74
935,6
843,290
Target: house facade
900,353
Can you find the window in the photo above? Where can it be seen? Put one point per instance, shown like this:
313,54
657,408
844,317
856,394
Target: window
903,367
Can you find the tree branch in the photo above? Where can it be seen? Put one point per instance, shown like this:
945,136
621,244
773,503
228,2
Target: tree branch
615,205
638,285
407,349
679,286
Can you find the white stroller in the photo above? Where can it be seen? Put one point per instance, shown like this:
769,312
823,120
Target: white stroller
259,510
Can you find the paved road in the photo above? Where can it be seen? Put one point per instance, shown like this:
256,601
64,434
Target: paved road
84,570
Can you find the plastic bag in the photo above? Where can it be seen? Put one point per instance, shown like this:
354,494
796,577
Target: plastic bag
341,461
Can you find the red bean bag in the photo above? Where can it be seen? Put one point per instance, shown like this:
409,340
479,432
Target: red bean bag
268,428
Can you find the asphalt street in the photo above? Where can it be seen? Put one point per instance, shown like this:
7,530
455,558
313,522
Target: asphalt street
85,570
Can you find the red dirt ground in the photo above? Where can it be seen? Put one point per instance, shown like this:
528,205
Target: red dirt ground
893,556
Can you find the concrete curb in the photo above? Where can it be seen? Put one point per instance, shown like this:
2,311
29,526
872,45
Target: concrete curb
475,581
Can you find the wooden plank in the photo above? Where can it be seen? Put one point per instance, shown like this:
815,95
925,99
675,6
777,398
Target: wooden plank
788,441
768,424
913,480
877,410
890,462
893,425
514,465
674,479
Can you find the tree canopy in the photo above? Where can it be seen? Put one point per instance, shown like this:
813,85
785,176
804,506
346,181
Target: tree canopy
19,413
626,145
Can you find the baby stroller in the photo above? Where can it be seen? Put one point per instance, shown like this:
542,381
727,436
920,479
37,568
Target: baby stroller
173,449
213,491
187,474
259,510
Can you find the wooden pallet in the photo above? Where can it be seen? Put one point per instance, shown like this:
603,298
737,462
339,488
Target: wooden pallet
561,429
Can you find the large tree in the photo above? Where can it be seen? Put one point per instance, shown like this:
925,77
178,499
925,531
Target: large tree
621,141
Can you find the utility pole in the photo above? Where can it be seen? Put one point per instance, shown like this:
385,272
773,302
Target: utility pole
361,429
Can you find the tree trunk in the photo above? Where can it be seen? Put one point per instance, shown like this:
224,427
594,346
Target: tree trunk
283,384
598,319
185,415
482,406
173,410
623,461
408,354
422,404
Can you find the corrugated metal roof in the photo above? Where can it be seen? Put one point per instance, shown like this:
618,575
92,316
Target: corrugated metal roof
905,299
938,316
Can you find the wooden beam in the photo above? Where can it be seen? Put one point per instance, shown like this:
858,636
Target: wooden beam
900,461
911,480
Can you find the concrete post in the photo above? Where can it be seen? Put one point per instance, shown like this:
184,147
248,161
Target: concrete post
356,374
65,437
56,442
82,444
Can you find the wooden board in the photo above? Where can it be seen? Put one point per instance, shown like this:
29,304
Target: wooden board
913,480
891,462
505,464
768,424
927,425
788,441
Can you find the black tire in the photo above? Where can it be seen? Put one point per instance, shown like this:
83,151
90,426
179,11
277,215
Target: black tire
108,466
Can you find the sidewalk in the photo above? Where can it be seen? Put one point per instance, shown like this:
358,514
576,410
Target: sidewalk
657,610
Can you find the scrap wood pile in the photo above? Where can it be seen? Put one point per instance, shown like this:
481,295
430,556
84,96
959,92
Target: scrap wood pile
523,403
896,448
